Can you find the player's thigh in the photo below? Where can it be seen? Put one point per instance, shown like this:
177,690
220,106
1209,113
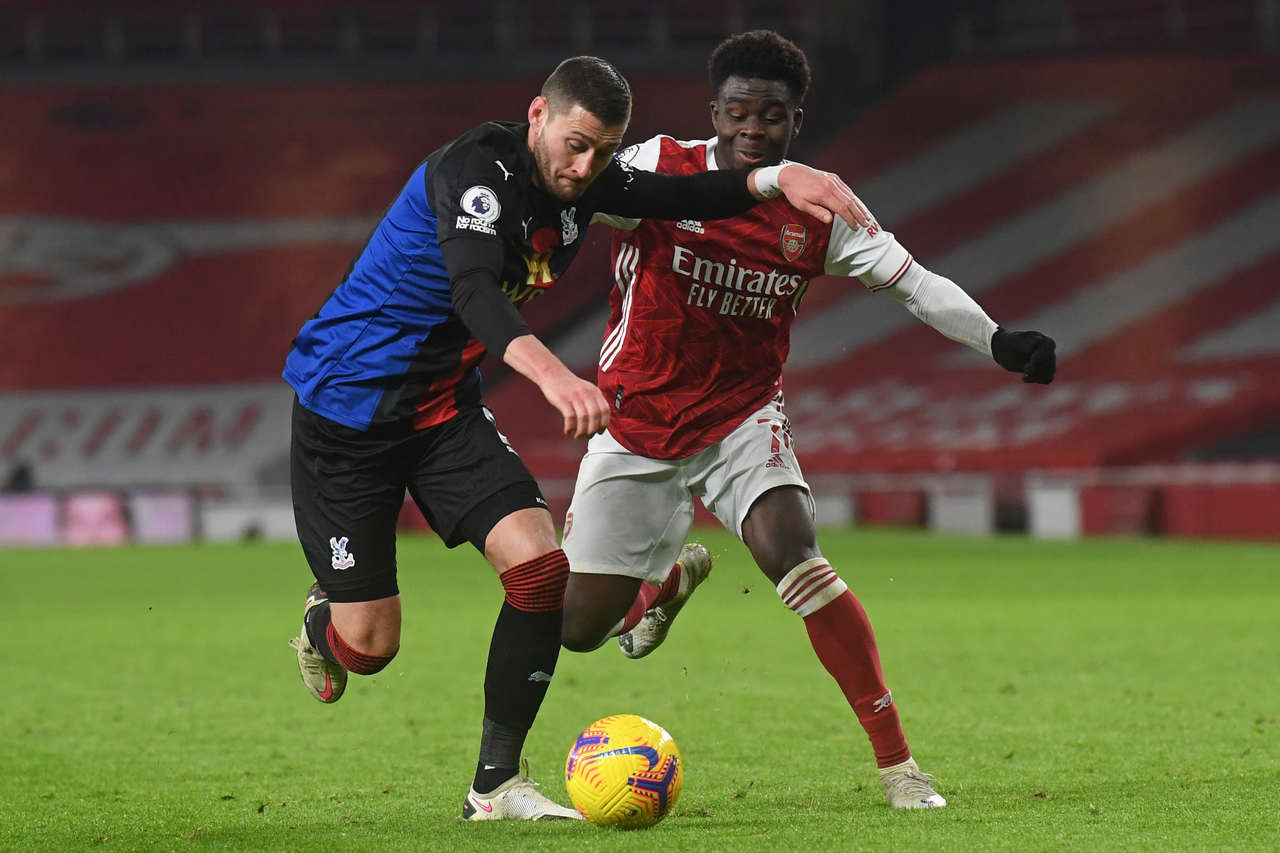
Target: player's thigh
346,500
755,458
467,479
520,536
629,514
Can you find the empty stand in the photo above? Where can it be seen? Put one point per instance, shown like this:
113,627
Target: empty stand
166,243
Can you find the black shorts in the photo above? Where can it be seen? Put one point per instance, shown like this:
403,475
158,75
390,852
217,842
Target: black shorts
349,485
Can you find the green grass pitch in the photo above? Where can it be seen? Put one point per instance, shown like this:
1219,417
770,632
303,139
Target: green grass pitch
1099,695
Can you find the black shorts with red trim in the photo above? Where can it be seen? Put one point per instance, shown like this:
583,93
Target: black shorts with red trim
349,485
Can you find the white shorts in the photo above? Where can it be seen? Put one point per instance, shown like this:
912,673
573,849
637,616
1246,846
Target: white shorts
630,514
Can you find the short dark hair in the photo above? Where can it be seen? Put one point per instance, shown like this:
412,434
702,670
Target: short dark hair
593,84
763,54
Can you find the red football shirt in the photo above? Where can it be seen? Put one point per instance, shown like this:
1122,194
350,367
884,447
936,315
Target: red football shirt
700,319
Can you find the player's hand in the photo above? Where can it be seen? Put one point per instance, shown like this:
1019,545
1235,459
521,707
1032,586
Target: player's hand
585,410
1030,353
822,194
583,407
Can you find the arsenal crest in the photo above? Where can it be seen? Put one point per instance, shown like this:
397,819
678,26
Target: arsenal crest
793,240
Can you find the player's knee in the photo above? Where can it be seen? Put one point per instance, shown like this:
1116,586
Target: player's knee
369,664
366,660
537,585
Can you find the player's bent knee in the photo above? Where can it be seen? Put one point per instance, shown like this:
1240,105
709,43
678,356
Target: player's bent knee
359,662
369,664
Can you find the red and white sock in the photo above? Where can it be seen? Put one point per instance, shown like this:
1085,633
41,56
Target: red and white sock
842,637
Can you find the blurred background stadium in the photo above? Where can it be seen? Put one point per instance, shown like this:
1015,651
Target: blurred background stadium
182,183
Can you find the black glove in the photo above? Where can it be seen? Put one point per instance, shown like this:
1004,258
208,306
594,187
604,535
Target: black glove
1028,353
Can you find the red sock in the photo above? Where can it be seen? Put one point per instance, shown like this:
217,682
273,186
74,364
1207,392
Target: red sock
842,637
352,660
651,596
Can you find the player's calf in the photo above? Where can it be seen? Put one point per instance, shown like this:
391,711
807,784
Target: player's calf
595,607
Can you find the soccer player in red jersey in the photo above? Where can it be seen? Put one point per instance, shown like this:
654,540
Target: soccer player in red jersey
691,366
389,393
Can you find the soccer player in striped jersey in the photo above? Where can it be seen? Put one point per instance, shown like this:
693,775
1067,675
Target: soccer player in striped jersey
691,365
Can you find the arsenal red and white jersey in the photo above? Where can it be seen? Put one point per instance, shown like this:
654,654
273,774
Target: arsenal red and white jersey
700,319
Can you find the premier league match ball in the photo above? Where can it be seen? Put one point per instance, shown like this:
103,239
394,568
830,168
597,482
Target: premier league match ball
624,771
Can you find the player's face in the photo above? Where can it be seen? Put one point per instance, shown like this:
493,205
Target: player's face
570,147
755,121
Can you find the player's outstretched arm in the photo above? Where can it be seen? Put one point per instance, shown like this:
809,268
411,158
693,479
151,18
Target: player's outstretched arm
817,193
723,193
1032,354
584,408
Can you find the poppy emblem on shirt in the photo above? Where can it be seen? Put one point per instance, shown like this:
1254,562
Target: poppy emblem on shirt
793,240
544,240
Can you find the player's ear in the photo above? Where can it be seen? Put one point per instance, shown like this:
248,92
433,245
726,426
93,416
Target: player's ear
796,118
715,115
538,111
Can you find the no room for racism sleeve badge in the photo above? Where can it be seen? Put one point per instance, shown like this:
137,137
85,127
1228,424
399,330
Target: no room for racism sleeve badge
478,209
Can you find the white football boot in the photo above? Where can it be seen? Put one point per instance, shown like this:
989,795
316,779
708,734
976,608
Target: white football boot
518,798
651,630
324,679
906,787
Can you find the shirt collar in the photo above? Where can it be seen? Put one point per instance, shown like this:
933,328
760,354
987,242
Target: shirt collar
712,166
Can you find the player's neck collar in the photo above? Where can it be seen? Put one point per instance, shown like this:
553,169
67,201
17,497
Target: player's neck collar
712,165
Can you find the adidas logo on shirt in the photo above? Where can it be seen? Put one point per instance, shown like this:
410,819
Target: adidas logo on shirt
691,225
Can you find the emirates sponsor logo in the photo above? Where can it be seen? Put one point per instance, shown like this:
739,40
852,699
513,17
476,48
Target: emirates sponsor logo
735,290
732,276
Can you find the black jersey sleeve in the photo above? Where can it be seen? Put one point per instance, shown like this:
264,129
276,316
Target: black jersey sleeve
472,199
638,194
478,299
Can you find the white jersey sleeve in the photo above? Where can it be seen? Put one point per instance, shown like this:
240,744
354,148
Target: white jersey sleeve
869,254
942,304
875,257
643,155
